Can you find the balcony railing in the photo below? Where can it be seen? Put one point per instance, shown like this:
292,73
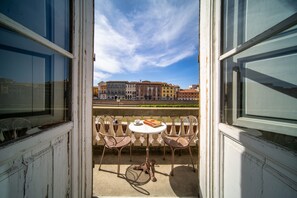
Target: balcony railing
125,115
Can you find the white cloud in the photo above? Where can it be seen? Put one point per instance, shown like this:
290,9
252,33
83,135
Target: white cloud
100,76
157,36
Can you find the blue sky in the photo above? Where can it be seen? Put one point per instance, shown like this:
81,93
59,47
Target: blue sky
154,40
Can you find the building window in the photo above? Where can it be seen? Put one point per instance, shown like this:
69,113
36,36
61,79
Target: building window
34,77
259,75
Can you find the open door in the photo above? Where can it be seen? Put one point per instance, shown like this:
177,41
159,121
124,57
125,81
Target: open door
248,98
46,54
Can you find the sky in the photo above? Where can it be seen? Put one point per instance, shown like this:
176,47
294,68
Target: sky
155,40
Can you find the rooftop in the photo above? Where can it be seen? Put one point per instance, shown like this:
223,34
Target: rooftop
188,90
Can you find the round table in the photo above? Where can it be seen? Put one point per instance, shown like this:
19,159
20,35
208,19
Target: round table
149,165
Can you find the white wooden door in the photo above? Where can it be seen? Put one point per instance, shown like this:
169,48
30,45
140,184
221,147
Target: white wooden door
46,56
247,141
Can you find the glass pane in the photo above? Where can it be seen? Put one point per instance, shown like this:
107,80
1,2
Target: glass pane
27,10
24,77
269,85
245,19
41,16
34,83
260,85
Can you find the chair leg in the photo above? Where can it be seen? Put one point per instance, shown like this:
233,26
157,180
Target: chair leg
102,157
191,158
164,151
130,152
119,159
172,160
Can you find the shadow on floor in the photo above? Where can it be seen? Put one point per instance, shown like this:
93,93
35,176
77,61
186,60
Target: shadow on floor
137,178
184,182
136,183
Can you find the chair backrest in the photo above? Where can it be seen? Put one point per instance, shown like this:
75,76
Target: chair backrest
194,128
100,128
99,123
109,125
188,127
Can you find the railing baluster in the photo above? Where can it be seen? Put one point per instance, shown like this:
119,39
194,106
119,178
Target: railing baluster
143,139
173,126
154,140
181,131
109,120
120,131
193,129
137,136
176,125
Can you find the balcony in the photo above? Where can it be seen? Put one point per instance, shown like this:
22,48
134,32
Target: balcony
136,183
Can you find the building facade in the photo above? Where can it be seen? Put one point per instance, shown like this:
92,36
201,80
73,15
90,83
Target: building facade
116,90
131,91
147,90
102,91
188,94
176,90
169,91
95,92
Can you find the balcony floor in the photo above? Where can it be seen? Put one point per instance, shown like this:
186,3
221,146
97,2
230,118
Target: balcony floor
135,183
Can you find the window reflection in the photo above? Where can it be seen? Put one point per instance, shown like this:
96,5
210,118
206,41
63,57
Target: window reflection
259,84
34,80
245,19
25,83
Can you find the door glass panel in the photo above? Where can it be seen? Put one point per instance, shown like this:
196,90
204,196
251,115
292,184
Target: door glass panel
259,84
41,16
269,85
34,80
245,19
24,78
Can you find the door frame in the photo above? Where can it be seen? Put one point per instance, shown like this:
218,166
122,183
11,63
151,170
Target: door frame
82,87
209,166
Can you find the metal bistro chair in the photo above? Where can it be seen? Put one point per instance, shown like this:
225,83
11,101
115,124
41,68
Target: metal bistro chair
111,140
181,140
